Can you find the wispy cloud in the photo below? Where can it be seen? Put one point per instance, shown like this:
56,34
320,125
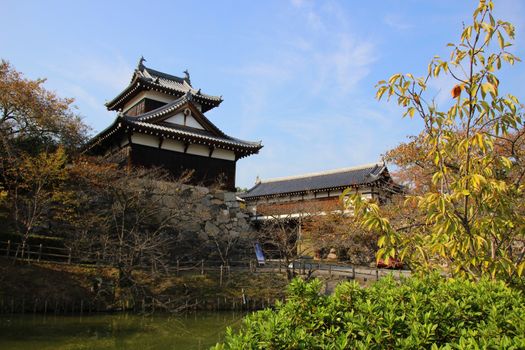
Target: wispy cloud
298,3
309,13
321,65
346,65
397,21
84,76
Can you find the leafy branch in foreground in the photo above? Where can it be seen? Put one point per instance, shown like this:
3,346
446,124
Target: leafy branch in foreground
472,207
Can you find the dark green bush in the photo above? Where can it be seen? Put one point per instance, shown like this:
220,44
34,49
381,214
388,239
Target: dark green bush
416,313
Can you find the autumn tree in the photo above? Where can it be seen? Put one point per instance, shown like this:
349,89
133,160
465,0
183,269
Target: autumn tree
472,207
38,130
34,191
32,117
339,230
123,215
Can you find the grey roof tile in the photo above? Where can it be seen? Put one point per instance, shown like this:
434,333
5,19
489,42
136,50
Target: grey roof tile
181,130
158,80
339,178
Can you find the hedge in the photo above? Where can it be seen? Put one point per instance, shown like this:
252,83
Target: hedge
415,313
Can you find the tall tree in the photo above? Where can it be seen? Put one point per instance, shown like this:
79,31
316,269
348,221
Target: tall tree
37,130
32,117
472,207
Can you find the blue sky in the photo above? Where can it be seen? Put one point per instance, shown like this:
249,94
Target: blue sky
298,75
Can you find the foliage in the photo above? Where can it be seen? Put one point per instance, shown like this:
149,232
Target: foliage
417,313
472,208
32,117
37,130
339,231
34,190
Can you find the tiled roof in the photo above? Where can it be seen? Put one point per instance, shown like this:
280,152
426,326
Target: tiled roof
172,82
172,106
185,131
334,179
145,77
151,123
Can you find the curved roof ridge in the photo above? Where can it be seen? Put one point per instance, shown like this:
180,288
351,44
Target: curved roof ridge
167,76
162,109
326,172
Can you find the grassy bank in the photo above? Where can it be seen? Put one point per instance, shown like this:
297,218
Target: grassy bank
59,288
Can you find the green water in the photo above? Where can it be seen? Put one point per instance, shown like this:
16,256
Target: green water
193,331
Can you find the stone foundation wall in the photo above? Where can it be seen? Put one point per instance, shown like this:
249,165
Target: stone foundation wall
210,224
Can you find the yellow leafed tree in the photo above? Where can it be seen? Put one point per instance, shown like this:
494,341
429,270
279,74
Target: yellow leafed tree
472,207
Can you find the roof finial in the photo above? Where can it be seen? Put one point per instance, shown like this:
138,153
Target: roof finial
187,75
140,66
257,180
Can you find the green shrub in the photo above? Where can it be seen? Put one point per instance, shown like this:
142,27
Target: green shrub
417,313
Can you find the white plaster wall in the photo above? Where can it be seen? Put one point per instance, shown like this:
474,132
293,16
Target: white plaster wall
190,121
176,119
173,145
223,154
179,119
199,150
146,140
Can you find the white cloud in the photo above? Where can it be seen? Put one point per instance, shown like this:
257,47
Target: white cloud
324,63
298,3
345,66
397,21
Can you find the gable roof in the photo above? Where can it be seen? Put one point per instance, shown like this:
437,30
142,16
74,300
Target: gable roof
164,112
152,123
315,182
145,78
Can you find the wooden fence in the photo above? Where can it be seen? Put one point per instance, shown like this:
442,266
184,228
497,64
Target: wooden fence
64,255
17,250
221,272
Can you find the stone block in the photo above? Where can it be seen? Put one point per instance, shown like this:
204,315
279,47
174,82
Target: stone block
223,216
211,228
229,197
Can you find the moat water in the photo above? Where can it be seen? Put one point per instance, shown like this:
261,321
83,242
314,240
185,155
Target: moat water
198,330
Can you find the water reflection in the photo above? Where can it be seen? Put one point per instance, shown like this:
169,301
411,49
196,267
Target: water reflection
122,331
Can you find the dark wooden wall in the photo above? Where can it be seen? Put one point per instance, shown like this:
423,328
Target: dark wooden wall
143,106
207,171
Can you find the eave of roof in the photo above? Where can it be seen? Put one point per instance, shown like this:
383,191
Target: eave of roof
185,134
339,179
182,132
